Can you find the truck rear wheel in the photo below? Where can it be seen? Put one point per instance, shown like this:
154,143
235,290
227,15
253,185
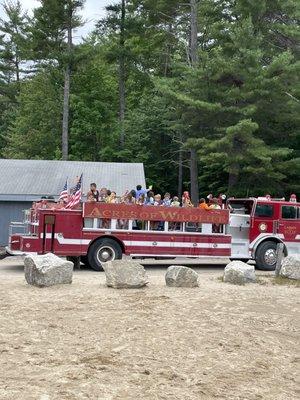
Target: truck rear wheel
85,261
103,250
265,256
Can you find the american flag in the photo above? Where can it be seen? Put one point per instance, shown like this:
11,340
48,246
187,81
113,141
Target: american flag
76,194
64,194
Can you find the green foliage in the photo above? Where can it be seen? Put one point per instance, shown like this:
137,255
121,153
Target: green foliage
13,57
249,162
93,105
150,141
239,107
13,41
49,30
36,129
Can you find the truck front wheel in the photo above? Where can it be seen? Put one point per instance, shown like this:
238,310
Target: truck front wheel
103,250
265,256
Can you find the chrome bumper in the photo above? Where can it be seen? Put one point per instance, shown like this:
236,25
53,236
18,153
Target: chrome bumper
17,252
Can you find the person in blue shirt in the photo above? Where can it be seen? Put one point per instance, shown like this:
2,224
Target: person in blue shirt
167,200
139,191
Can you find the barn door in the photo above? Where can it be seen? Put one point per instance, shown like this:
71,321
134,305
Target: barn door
49,230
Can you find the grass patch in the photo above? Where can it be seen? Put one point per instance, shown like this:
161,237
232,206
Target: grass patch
280,280
261,281
258,280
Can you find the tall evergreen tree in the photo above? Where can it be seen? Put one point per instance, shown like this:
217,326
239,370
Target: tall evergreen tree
193,53
94,101
35,131
54,22
13,57
116,26
230,84
13,45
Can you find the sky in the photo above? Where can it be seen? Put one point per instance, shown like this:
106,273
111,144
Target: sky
92,12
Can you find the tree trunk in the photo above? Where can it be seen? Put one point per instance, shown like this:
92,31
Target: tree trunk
194,33
17,61
122,75
17,72
168,50
233,176
234,167
66,105
194,177
180,173
65,124
194,61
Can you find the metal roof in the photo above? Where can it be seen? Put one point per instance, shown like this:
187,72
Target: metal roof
31,179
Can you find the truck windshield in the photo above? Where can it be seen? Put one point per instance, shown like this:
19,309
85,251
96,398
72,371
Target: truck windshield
264,210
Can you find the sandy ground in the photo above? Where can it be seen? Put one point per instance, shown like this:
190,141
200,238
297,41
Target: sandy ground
86,341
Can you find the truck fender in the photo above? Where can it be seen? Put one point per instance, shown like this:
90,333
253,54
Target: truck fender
254,245
112,237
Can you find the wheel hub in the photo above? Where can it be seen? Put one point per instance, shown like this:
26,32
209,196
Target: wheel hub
105,254
270,257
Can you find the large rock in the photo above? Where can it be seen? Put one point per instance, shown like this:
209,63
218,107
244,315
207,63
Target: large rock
239,273
180,276
290,267
47,270
125,274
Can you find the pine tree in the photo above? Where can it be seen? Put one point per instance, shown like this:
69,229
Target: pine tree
218,103
249,163
13,57
116,25
35,131
13,38
150,141
54,22
94,134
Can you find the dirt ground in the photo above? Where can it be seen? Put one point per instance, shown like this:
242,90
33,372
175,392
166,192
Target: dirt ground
86,341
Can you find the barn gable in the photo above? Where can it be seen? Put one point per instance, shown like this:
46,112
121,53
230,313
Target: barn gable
22,179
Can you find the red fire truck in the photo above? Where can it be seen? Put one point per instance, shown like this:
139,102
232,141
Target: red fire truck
97,232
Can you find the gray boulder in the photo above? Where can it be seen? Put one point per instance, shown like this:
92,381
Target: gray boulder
290,267
239,273
125,274
180,276
47,270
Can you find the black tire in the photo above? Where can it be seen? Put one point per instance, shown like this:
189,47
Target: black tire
85,261
75,260
265,256
103,250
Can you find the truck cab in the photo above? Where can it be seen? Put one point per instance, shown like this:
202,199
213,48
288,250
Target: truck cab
257,225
